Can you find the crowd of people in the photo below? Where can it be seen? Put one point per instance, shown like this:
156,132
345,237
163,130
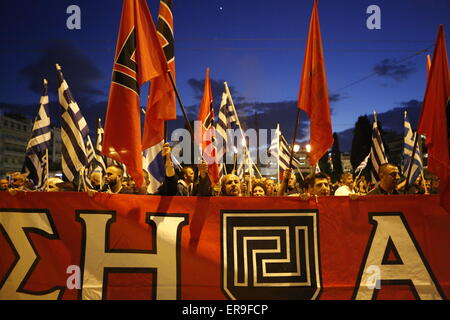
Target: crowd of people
194,181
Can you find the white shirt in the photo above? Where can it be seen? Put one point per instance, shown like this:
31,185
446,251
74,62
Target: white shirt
343,191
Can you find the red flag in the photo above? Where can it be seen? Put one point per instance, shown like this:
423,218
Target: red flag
313,95
161,103
433,118
205,132
139,58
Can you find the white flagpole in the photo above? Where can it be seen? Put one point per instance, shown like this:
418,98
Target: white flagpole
46,166
239,124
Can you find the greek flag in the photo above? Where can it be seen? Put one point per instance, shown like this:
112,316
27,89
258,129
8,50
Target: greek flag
73,131
285,155
377,153
408,147
227,120
363,164
153,162
98,162
36,157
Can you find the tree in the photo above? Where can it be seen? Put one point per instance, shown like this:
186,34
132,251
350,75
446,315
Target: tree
324,164
336,159
362,139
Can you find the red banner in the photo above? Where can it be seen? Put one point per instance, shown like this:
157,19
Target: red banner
70,246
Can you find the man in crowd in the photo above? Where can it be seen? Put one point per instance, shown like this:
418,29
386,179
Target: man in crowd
291,180
389,180
318,184
231,186
4,184
96,180
189,187
270,187
347,186
114,179
52,184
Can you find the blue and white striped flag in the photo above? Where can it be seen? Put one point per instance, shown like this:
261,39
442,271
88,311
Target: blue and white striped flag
90,151
98,162
227,120
408,147
285,155
377,153
363,164
74,130
36,157
153,162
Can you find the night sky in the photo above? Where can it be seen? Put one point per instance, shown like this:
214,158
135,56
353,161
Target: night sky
256,46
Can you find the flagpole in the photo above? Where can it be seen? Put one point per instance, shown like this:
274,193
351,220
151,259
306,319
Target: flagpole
188,123
292,145
46,169
278,133
411,162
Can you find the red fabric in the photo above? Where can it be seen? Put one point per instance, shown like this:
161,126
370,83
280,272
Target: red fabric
433,119
206,133
344,233
313,94
161,103
122,137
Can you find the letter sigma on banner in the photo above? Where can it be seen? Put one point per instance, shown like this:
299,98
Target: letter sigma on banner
70,246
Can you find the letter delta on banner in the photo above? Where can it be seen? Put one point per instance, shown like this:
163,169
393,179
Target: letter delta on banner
71,246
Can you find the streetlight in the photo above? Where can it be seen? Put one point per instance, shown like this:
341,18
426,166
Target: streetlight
308,148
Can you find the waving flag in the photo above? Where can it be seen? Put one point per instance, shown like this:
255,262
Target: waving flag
73,131
377,153
36,157
408,147
139,58
161,104
313,94
363,164
153,162
205,134
98,163
433,119
226,121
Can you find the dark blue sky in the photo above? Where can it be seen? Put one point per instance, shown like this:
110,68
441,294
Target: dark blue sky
256,46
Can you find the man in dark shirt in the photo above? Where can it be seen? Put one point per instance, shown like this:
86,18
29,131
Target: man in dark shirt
389,179
189,186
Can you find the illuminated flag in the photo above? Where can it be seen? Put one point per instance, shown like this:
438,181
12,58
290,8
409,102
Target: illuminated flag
205,134
377,153
433,119
99,161
74,130
161,104
139,58
36,157
226,121
408,147
313,94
